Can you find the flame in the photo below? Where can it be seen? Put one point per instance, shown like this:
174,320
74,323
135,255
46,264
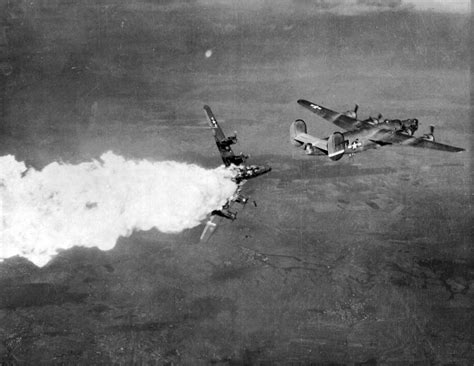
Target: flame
92,204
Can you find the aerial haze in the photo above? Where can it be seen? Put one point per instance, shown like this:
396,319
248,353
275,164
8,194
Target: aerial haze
362,261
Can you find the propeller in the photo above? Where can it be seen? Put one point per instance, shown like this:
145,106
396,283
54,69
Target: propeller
353,114
379,117
430,136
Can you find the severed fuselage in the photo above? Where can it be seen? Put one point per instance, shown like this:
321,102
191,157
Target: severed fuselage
242,171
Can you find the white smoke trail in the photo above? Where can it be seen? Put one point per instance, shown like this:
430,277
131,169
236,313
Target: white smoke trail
93,203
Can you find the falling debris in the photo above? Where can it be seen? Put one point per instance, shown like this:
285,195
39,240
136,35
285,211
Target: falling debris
92,204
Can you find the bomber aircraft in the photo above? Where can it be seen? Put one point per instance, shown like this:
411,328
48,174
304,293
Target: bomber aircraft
360,135
235,162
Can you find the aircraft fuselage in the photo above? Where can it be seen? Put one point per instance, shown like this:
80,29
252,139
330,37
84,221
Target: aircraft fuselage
370,135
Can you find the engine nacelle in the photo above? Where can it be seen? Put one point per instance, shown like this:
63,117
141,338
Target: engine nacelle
296,128
409,126
352,114
231,140
234,159
336,146
429,136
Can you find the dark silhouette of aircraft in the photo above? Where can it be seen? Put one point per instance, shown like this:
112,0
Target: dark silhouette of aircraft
360,135
243,173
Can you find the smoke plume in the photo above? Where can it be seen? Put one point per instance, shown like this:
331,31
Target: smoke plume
91,204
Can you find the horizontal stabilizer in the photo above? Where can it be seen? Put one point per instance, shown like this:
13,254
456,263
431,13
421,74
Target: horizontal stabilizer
306,139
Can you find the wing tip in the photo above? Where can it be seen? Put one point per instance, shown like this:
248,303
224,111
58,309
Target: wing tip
303,102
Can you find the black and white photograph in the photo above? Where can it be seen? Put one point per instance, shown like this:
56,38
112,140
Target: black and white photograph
236,182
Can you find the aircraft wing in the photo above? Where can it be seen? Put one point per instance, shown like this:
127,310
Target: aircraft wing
216,129
391,137
226,212
339,119
308,139
223,143
421,142
211,226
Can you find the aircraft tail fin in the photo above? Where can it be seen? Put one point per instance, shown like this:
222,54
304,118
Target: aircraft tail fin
336,146
299,137
296,128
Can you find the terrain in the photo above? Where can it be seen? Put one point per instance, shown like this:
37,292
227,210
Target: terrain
363,261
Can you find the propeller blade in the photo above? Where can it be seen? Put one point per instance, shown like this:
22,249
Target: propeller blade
380,117
431,129
356,108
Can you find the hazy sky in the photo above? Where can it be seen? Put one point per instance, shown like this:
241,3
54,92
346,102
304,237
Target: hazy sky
446,5
452,5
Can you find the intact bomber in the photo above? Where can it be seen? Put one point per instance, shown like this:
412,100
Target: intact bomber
360,135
